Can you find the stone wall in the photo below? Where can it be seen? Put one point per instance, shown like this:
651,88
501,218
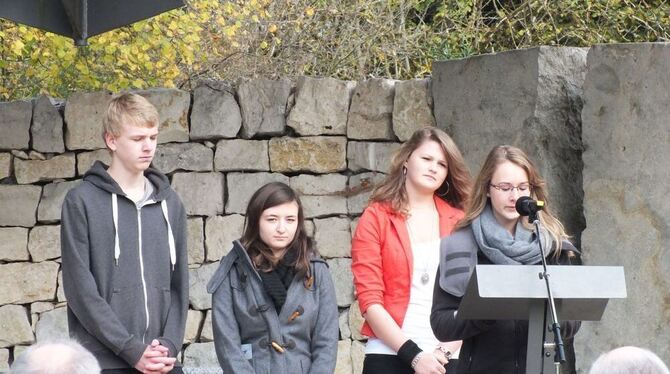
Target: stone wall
331,140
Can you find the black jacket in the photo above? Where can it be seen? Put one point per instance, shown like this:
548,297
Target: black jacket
489,347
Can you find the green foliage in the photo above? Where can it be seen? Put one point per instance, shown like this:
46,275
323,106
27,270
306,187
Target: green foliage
347,39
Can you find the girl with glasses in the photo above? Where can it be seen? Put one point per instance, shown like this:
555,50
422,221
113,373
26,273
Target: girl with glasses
492,232
395,253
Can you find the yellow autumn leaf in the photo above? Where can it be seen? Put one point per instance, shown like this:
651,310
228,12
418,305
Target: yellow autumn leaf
272,28
309,11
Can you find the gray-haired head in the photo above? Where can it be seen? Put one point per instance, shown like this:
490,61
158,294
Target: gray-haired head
629,360
55,357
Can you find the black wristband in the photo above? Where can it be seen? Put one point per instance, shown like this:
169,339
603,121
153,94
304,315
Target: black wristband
408,351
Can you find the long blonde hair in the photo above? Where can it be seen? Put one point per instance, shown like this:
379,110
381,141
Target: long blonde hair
479,198
457,184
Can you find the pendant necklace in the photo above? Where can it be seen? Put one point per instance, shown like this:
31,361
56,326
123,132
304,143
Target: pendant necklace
425,277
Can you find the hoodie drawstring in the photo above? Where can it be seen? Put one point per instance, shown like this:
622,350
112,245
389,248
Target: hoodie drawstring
117,248
173,251
115,217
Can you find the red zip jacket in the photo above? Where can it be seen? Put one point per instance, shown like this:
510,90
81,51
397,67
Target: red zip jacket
382,260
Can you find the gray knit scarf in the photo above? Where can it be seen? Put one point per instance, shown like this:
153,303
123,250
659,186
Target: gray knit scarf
499,245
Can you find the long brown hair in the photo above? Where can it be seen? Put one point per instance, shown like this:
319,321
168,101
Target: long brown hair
268,196
479,198
457,184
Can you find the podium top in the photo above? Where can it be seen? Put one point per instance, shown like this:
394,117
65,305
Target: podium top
507,291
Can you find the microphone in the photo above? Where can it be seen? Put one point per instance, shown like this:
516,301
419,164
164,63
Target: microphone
526,206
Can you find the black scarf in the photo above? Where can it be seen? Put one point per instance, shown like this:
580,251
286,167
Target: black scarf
277,281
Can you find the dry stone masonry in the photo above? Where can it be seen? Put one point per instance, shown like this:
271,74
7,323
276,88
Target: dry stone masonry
332,141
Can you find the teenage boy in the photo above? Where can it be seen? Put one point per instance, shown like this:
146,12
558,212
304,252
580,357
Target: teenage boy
123,244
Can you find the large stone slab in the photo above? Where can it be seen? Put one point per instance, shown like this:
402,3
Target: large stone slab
44,243
321,195
18,205
5,164
370,156
197,286
333,238
184,156
83,120
86,159
340,269
15,124
52,200
201,193
47,127
263,106
14,244
244,185
625,134
24,282
241,154
220,231
317,154
536,106
14,326
201,358
360,189
57,167
215,113
196,240
412,107
371,111
52,325
172,106
321,106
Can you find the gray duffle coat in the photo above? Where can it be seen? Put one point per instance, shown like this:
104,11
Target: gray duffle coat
251,337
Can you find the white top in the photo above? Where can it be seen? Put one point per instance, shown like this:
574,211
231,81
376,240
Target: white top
416,324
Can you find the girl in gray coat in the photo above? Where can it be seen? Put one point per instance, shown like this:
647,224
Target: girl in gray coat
273,300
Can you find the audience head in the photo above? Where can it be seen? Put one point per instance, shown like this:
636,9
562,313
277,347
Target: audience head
629,360
55,357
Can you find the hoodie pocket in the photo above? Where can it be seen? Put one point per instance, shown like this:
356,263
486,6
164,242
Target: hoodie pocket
128,305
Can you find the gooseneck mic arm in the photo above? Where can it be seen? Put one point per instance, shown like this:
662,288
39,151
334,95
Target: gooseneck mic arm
526,206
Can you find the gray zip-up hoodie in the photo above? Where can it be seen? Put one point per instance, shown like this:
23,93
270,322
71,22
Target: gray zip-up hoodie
125,268
251,337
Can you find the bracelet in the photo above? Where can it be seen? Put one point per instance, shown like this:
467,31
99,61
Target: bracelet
408,352
416,359
447,353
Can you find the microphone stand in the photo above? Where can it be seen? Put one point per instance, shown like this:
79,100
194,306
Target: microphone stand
559,356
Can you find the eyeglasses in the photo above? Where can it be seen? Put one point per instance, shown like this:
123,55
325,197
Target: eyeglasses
509,187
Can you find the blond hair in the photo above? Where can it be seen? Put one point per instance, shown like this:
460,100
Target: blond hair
457,184
131,109
479,196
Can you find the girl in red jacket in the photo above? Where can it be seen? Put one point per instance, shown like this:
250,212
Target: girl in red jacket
395,253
